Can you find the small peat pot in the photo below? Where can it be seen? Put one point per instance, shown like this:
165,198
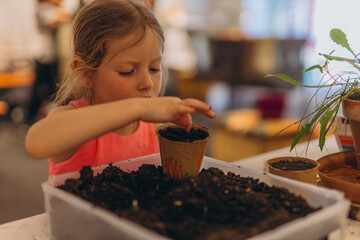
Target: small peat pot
297,168
181,152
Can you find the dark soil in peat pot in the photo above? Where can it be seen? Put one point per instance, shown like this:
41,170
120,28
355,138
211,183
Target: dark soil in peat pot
180,135
292,165
213,205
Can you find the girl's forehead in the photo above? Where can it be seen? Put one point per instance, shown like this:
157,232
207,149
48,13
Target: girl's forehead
117,45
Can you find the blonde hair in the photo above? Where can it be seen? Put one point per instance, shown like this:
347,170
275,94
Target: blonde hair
94,25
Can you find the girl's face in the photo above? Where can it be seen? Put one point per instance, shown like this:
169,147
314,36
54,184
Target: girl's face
129,72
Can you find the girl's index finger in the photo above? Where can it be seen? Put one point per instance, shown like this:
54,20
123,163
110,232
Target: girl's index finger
207,112
210,113
200,106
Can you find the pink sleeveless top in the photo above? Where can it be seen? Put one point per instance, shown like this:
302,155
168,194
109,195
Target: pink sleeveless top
109,148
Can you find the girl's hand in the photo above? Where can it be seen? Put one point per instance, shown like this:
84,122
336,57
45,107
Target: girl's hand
173,109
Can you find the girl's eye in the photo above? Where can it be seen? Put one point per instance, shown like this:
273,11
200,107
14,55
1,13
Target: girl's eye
154,69
126,73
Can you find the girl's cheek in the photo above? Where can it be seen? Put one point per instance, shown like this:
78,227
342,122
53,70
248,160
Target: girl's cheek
157,87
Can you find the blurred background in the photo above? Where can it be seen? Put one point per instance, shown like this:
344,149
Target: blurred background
216,51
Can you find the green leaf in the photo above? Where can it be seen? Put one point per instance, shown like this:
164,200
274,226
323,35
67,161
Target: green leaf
341,59
324,120
313,121
315,67
299,135
334,58
339,37
288,79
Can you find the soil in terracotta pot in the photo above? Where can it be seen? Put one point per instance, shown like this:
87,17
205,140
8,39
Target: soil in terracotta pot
293,165
355,95
213,205
180,135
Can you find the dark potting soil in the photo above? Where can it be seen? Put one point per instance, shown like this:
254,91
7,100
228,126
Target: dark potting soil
355,95
213,205
293,165
180,134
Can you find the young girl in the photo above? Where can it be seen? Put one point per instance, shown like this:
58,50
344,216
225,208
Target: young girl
107,110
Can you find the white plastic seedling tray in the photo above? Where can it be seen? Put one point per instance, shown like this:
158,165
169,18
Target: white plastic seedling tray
70,217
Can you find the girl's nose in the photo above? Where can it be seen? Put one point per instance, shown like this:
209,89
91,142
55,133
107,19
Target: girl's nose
146,81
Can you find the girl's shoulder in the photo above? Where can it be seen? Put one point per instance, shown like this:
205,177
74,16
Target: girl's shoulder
72,105
61,109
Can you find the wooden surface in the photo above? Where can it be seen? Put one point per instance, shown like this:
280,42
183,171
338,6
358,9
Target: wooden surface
243,133
231,146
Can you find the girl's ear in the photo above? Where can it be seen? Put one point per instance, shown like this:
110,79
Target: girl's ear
76,62
85,81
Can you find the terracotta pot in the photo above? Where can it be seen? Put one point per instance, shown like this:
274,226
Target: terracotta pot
351,110
339,171
182,159
308,175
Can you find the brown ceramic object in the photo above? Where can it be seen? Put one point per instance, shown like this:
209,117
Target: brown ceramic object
347,177
351,110
182,159
307,176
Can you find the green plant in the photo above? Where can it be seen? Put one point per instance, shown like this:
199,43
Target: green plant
345,83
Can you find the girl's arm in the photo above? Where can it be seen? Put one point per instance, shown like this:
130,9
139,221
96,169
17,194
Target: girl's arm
62,133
